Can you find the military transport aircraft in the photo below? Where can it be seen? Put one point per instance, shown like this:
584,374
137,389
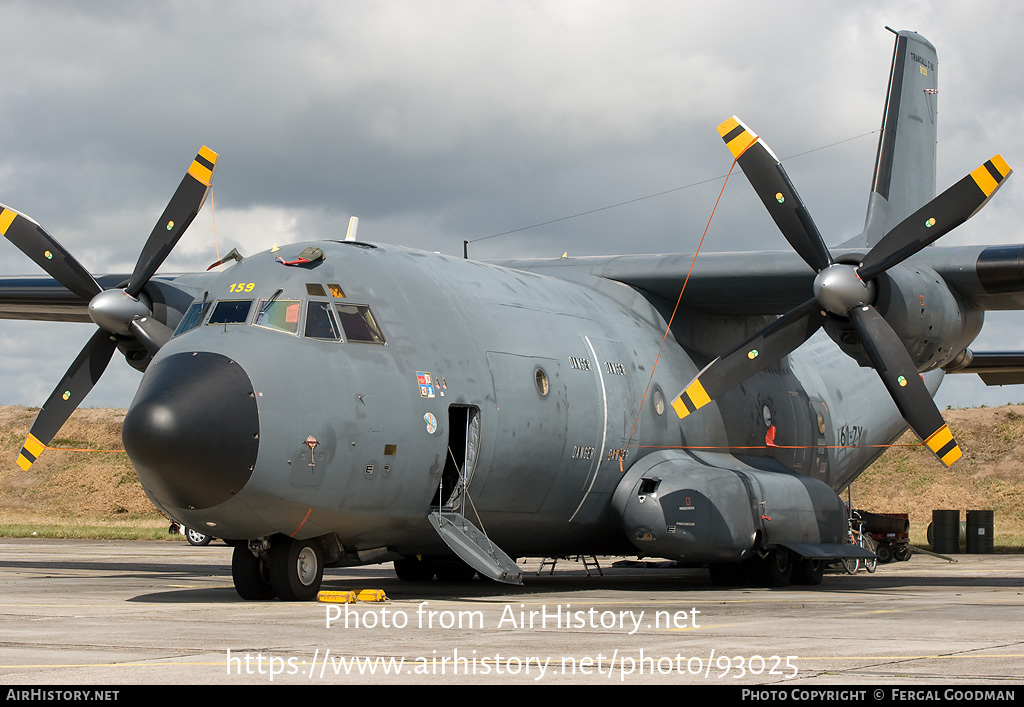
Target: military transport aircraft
342,402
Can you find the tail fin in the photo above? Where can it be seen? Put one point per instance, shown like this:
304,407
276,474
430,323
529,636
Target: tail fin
904,178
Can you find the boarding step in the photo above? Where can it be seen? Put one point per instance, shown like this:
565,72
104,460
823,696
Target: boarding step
476,550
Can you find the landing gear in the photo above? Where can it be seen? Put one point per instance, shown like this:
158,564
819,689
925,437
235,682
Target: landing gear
454,571
775,569
809,572
290,569
423,569
415,569
730,574
250,574
196,538
296,568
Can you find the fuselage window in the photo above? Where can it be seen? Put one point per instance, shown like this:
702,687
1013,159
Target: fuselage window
320,322
279,314
359,325
193,317
231,311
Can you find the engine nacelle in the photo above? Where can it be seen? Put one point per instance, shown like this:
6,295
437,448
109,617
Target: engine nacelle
933,323
714,508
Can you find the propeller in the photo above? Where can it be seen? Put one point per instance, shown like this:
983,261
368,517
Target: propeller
843,291
117,312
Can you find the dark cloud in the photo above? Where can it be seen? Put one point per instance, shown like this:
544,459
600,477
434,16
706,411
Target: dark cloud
443,121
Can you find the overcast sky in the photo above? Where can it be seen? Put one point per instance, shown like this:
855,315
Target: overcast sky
442,121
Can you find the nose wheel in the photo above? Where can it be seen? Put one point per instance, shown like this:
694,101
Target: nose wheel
291,570
251,574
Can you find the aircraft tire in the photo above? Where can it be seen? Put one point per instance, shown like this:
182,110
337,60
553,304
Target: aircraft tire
197,538
775,569
453,570
251,575
296,568
414,569
730,574
808,571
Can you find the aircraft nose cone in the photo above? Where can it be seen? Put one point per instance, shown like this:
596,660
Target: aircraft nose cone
192,431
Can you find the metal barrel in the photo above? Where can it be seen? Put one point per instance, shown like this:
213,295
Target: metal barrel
980,532
946,532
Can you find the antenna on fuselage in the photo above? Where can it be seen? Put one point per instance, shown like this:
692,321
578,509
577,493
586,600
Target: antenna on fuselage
353,226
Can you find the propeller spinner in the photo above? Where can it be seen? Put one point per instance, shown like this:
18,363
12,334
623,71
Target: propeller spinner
842,290
117,312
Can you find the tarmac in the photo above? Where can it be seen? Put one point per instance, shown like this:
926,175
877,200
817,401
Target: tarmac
108,613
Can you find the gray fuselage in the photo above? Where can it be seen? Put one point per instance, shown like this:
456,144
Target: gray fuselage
530,386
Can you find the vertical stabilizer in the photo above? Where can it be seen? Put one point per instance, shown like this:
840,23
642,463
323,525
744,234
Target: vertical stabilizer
904,178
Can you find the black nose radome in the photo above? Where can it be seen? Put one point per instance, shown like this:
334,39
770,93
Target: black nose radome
192,431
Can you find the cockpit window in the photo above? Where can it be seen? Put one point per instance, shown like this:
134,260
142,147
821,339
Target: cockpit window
314,289
321,323
231,311
281,314
359,324
193,317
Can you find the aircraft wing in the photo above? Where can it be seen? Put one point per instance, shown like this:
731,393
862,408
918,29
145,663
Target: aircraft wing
739,283
44,299
774,282
41,299
993,367
766,282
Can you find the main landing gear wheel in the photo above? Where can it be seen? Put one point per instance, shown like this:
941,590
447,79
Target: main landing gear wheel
776,568
453,571
808,571
250,574
196,538
730,574
296,568
415,569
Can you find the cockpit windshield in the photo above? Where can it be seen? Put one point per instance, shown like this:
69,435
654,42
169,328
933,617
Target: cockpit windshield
320,319
280,314
321,322
193,317
231,311
359,324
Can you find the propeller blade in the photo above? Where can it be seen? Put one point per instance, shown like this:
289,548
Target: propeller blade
900,376
776,340
936,218
150,333
181,209
771,183
69,393
51,256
